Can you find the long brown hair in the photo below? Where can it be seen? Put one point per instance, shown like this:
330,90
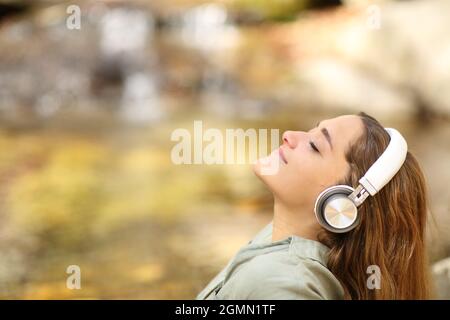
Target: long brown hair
391,233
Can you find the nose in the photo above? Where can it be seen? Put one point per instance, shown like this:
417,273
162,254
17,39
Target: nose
292,138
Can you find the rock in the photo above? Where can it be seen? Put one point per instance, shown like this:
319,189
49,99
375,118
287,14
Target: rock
410,50
333,84
441,275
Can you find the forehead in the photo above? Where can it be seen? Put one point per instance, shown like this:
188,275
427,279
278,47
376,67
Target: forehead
344,130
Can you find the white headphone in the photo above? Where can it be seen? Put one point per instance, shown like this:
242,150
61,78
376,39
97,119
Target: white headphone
336,207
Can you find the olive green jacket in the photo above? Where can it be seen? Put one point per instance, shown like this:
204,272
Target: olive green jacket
293,268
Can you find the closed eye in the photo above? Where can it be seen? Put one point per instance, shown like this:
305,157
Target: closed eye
313,146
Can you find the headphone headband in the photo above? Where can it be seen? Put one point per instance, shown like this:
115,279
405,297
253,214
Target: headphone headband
384,169
387,165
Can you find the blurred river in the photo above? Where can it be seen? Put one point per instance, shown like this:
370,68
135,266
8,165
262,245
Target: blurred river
85,172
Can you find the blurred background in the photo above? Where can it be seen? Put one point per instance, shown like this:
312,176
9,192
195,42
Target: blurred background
86,117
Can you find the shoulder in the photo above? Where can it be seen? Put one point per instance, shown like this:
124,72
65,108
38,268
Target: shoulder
280,275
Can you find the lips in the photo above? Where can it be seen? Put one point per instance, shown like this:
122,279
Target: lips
282,156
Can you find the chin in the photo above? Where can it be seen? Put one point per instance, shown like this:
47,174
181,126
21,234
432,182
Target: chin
267,170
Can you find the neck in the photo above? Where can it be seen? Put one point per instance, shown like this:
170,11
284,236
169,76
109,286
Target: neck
293,221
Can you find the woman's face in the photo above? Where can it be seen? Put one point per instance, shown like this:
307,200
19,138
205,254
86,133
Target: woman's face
311,161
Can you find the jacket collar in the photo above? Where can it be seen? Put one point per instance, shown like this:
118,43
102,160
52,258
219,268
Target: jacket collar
310,249
302,247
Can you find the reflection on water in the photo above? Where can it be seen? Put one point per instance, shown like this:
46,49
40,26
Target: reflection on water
140,100
125,31
125,36
208,28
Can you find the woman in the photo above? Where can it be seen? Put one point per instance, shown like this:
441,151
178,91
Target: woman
295,258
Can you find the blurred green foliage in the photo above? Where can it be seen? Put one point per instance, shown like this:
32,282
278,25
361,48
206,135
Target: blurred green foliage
272,9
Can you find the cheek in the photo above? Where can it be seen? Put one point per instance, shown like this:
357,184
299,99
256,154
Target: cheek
306,163
299,183
339,171
313,171
307,171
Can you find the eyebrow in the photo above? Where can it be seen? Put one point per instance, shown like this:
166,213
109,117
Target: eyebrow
327,135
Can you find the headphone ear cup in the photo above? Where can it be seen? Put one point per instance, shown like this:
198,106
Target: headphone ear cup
335,211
